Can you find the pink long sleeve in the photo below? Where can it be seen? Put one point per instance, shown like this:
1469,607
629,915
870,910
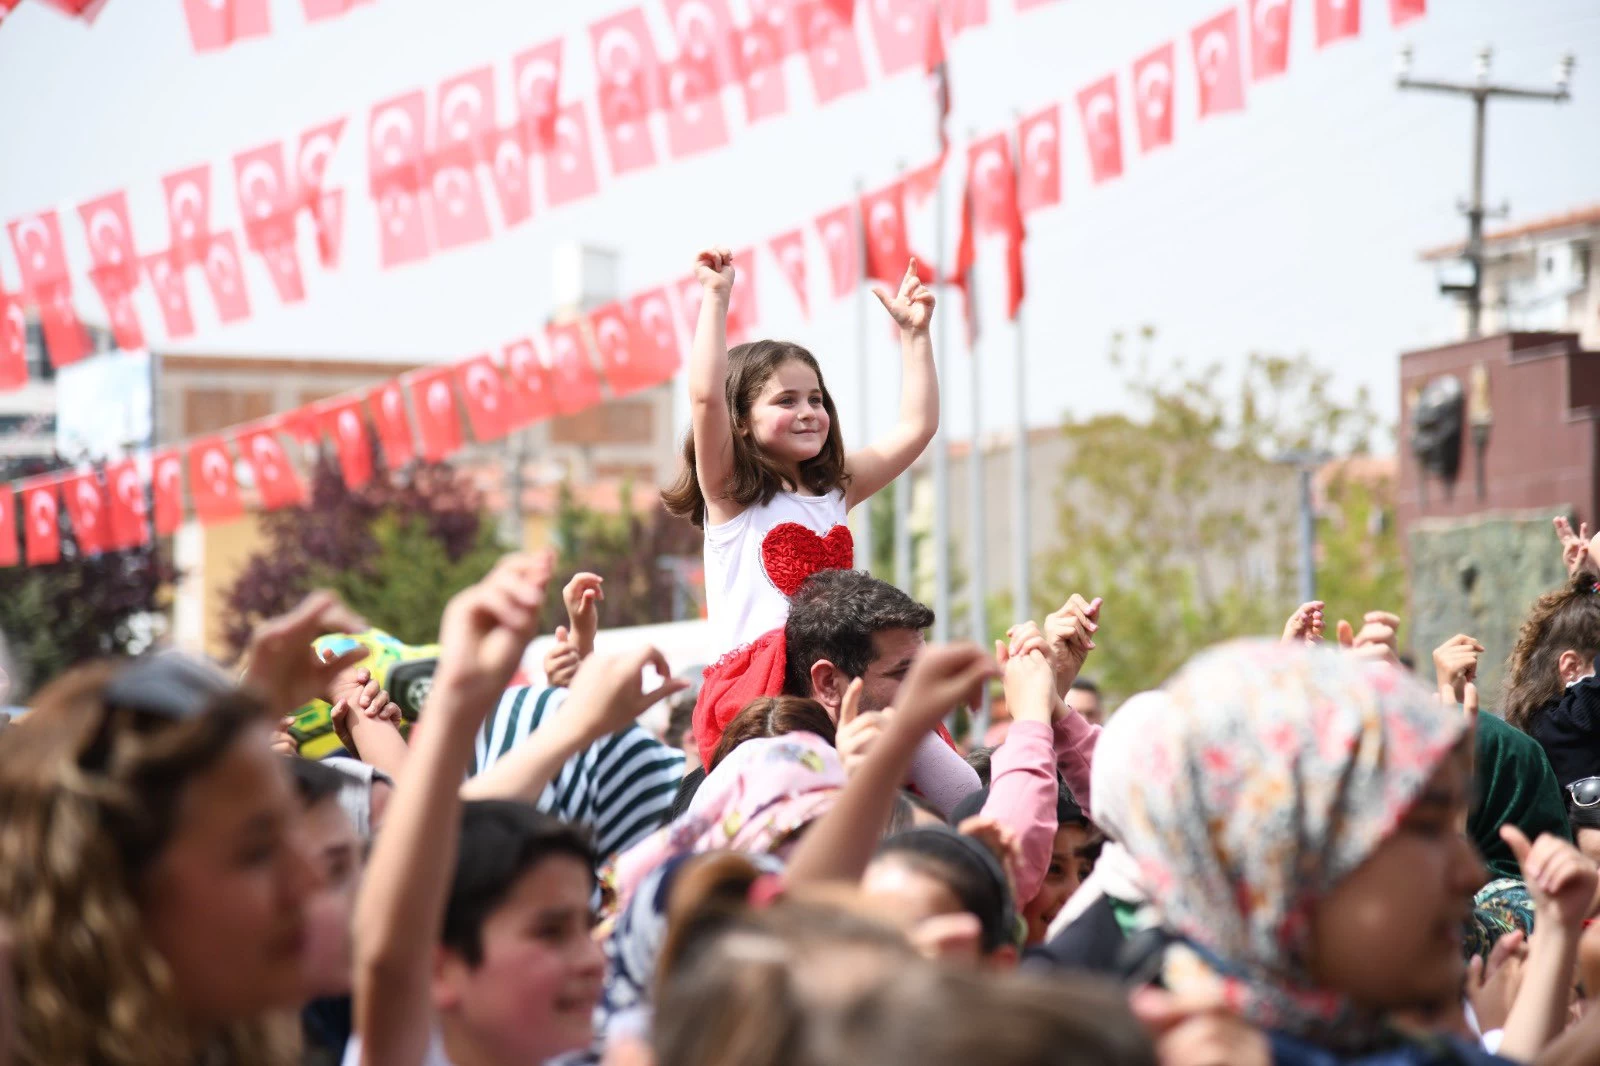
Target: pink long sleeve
1022,797
1075,740
942,776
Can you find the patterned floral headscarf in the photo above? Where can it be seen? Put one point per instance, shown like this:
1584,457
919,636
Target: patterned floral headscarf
1279,769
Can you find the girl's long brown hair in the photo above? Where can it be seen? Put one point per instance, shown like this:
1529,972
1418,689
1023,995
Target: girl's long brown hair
1567,619
91,988
756,478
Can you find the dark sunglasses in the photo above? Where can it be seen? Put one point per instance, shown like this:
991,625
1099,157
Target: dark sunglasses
1585,792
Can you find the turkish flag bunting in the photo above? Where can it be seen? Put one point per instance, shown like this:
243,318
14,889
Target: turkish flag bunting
629,87
484,391
401,236
395,151
166,483
266,201
188,195
172,294
696,119
833,53
275,478
329,222
572,376
706,38
13,342
435,406
125,502
1336,20
612,331
41,530
994,188
283,266
1217,64
9,555
86,506
117,294
967,15
215,24
317,146
655,352
569,164
40,255
528,384
844,10
211,482
1102,128
345,424
509,168
883,217
110,234
688,292
901,30
760,66
841,239
394,428
742,300
966,260
789,249
1403,11
459,215
64,336
225,276
1039,173
1269,38
317,10
536,74
1152,95
464,134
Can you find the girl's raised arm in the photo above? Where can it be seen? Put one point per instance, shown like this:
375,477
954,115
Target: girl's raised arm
708,372
873,467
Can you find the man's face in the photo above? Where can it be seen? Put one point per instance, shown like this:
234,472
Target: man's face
1087,704
892,653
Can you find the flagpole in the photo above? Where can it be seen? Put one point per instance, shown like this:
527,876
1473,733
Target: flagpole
1021,521
904,570
941,439
863,383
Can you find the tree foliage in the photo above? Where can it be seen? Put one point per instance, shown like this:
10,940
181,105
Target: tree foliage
648,560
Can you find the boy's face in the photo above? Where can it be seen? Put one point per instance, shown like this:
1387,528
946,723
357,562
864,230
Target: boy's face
533,994
337,854
1069,866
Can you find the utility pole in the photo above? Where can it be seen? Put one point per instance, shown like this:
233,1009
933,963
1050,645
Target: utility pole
1480,90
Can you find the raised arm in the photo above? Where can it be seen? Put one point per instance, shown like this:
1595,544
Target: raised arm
1022,781
877,464
708,374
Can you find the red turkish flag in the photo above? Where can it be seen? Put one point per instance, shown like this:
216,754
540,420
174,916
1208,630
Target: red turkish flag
742,300
1039,173
528,383
536,74
40,254
483,390
188,195
317,146
688,294
401,236
833,53
126,506
283,267
172,294
459,214
275,478
225,276
41,530
13,342
760,63
569,165
394,428
317,10
612,333
215,24
883,217
1269,38
706,38
655,352
9,555
509,168
395,159
211,482
789,249
86,506
110,234
841,239
991,184
1152,95
348,429
463,135
1102,128
435,406
696,120
65,339
1336,20
900,28
1403,11
117,295
1217,65
967,15
266,200
329,221
166,483
572,376
628,91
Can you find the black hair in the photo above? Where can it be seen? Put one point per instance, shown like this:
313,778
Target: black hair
686,790
979,759
834,615
1084,684
313,782
971,872
501,840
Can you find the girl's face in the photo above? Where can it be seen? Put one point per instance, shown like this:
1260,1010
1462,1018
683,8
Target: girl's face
788,421
1389,935
224,904
1068,869
916,896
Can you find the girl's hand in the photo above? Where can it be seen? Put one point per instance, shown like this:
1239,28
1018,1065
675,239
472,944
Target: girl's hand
943,676
1492,986
1574,546
561,661
1305,625
1455,664
714,268
1070,631
1560,878
582,597
912,307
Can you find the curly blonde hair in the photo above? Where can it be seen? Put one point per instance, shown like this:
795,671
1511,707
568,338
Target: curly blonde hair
89,798
1567,619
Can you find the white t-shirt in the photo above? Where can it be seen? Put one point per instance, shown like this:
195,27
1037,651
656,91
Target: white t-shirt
756,561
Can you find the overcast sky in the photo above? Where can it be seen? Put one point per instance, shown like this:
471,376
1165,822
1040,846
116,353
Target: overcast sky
1292,226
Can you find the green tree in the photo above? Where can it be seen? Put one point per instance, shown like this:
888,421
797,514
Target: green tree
650,561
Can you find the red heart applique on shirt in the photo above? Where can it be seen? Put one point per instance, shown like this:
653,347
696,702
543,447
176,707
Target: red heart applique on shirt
791,553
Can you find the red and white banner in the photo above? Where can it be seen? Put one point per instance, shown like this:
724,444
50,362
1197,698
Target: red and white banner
528,383
8,515
211,482
125,502
1403,11
166,485
172,294
110,238
484,393
569,164
655,354
536,74
841,240
833,53
1152,96
225,277
438,424
883,221
345,424
13,342
572,377
1336,20
41,522
1102,128
789,249
388,405
86,506
1039,169
629,87
509,169
266,199
1217,64
395,165
274,477
188,194
215,24
1269,38
464,135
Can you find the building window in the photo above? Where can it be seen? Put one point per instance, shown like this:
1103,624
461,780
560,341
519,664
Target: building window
28,425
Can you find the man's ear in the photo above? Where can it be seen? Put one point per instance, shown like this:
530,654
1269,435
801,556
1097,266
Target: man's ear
448,969
828,683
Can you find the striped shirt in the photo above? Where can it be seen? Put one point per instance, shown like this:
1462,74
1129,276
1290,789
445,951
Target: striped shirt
620,787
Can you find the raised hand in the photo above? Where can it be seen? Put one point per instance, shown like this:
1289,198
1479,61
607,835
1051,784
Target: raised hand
280,662
363,692
1574,546
942,677
1030,686
1000,839
1377,640
608,692
1305,625
1560,878
562,660
858,731
1455,664
912,306
1069,632
486,628
713,268
1492,986
283,741
582,597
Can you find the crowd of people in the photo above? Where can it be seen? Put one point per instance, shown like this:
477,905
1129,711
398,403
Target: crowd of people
1297,850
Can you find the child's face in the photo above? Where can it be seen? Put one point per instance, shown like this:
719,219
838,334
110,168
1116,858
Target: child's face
532,996
336,851
1389,935
1068,868
787,420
